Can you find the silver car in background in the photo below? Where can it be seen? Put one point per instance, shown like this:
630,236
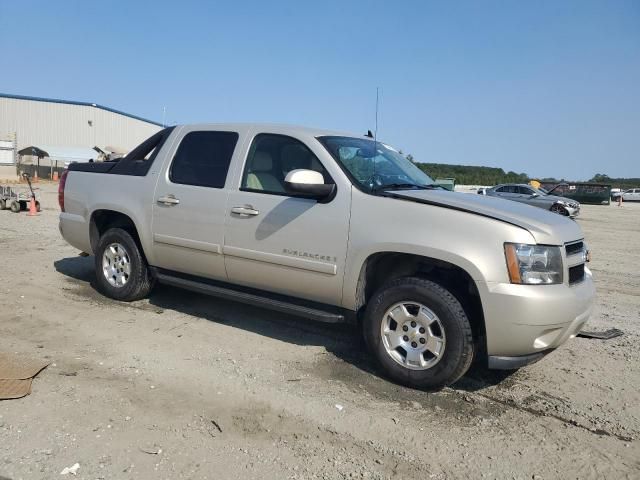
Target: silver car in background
532,196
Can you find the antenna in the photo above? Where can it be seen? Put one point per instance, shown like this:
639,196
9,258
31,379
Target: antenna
375,134
164,115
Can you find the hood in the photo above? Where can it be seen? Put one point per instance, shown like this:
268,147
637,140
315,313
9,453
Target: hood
558,198
546,227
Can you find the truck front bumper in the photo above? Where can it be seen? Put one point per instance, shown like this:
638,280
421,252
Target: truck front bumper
524,322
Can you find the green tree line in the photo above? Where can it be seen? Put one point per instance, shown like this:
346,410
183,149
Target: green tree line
473,175
469,175
616,182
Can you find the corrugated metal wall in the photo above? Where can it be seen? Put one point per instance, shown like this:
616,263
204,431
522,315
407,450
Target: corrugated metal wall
59,124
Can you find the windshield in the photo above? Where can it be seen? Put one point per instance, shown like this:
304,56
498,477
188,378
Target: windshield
374,166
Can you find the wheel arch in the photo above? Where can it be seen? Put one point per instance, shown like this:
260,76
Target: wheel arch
382,267
103,219
557,207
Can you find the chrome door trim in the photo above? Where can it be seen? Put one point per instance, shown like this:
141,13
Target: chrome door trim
186,243
282,260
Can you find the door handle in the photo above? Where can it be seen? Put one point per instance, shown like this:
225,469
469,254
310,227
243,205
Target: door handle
245,211
168,200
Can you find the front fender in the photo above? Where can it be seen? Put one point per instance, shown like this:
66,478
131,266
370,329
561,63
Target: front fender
471,242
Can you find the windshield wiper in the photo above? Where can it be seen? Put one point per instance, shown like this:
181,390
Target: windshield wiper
400,186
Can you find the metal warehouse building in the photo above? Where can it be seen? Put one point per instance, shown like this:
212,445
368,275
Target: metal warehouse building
44,134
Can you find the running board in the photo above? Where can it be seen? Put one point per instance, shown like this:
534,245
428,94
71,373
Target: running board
251,299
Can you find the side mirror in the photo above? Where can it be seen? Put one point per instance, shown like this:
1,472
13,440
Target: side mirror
308,183
534,195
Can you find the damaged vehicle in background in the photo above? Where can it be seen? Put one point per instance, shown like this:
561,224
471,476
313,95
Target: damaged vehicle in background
535,197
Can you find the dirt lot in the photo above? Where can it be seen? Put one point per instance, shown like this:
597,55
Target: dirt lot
185,386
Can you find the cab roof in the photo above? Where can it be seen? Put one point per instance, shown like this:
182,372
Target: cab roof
276,128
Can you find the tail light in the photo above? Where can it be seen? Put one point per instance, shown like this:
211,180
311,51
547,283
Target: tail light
63,181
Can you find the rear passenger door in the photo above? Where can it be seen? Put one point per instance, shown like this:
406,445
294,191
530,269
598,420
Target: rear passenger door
506,192
189,203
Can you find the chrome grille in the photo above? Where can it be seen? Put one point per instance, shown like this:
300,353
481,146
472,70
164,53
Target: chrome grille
576,256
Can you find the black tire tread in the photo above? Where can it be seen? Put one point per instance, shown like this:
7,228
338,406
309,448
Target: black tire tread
141,278
453,304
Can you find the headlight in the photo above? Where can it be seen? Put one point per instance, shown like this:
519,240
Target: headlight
533,264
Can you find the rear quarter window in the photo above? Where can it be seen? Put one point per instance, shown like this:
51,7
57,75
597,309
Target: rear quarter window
203,159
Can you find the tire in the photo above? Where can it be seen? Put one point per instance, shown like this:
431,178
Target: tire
3,204
15,207
559,209
125,276
449,328
38,208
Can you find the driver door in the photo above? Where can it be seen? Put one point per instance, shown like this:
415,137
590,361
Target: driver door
282,243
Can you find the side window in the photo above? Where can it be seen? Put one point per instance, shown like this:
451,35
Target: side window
271,157
525,190
501,190
203,159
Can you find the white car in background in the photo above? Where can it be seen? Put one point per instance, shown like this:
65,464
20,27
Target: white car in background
630,195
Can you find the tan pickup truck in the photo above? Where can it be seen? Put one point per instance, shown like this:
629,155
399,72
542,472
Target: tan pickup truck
334,227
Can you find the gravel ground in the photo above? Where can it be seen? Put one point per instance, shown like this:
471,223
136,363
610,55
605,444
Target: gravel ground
186,386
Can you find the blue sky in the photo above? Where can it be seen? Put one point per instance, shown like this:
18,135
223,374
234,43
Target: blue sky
550,88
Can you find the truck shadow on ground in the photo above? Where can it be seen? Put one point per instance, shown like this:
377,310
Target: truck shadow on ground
352,363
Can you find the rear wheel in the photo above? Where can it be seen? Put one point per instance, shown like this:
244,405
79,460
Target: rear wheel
122,272
3,204
419,333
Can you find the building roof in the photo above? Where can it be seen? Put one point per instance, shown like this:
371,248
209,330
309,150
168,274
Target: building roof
73,102
65,154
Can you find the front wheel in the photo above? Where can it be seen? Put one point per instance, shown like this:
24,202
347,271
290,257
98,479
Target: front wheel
419,333
122,272
15,206
559,209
